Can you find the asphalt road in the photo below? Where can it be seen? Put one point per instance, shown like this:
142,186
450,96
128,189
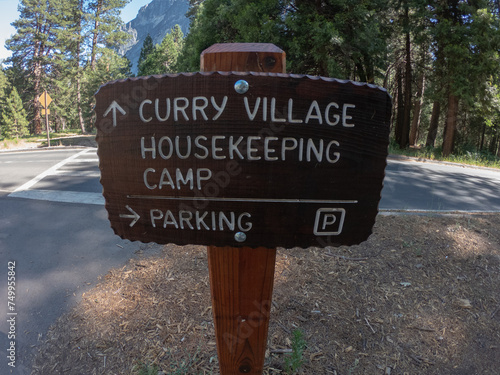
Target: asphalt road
59,248
429,186
54,227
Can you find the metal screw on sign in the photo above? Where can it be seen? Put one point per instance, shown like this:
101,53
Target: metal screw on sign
240,237
241,86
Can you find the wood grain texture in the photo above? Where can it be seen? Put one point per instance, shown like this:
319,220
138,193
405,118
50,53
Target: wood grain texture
269,176
241,283
243,57
241,279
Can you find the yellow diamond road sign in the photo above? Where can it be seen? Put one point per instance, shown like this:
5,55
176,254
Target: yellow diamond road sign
45,99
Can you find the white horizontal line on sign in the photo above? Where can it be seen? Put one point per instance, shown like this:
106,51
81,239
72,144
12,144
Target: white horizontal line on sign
259,200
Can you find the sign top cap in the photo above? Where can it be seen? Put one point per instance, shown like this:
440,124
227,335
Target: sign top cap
243,47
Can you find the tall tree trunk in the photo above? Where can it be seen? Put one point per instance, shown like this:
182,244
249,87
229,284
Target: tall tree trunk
483,132
78,70
95,37
433,128
79,103
417,111
405,139
451,124
37,78
398,132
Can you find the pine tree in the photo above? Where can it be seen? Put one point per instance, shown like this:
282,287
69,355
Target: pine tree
163,59
32,48
14,122
144,65
106,33
4,86
66,72
169,50
467,39
338,38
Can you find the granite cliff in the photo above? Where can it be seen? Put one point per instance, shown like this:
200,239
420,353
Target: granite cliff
155,18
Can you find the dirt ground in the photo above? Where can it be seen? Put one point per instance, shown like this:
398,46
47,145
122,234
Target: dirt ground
421,296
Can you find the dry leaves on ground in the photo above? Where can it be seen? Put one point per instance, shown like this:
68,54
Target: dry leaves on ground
421,296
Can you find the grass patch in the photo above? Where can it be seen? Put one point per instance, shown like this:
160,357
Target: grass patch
65,138
477,158
295,360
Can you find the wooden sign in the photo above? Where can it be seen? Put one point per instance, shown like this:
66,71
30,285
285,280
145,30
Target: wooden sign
242,159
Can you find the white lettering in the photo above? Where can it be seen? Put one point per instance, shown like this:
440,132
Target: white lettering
202,220
314,107
185,217
157,110
151,149
200,146
317,152
327,114
285,148
224,219
264,110
268,150
233,147
291,120
251,149
251,114
220,108
180,178
273,112
200,178
155,214
200,108
328,219
170,220
244,227
141,114
151,187
178,148
345,117
170,148
166,179
336,154
180,108
216,149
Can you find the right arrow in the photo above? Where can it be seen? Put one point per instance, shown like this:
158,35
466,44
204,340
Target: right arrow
113,107
134,216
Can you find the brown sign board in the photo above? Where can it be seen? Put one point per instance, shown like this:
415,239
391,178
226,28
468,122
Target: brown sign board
242,159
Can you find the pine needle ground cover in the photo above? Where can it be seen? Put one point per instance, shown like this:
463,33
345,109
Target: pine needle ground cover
421,296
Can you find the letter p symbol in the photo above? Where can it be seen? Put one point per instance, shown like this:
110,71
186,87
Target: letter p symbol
329,221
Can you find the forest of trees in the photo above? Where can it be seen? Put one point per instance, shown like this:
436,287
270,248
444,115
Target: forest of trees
439,60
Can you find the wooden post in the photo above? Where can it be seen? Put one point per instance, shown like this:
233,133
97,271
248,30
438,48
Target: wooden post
241,279
47,117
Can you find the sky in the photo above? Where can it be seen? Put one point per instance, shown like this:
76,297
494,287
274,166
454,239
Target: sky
9,14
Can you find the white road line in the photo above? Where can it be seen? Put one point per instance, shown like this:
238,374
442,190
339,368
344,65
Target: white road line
69,173
60,196
96,160
48,172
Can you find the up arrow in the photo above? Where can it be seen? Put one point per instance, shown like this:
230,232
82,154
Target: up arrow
134,216
114,106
